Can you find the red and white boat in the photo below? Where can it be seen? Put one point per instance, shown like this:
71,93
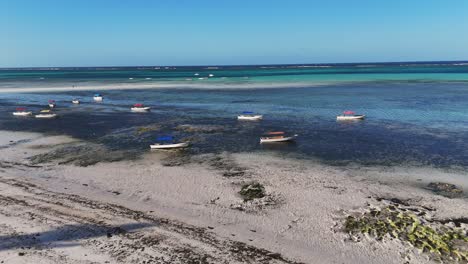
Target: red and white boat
140,108
21,111
350,115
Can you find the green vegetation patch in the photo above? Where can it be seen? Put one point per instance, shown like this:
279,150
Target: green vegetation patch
445,242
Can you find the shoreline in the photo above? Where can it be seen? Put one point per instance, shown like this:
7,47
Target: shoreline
300,220
216,84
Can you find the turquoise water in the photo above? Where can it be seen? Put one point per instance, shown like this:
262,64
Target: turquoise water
417,115
264,75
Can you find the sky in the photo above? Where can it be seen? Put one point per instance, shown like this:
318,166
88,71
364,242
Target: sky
46,33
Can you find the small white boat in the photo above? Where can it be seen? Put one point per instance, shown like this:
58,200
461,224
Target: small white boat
46,114
273,137
349,115
52,104
165,142
76,101
196,74
98,98
249,116
211,75
169,146
20,111
140,108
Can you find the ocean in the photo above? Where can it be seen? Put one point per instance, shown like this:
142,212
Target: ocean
417,113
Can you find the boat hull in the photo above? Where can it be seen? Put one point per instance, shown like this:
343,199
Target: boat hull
275,140
255,117
51,105
140,109
169,146
98,98
22,113
76,102
46,116
357,117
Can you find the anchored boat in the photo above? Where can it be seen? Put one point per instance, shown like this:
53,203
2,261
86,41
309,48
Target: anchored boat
249,116
279,136
21,111
140,108
52,103
350,115
166,142
98,98
46,113
76,101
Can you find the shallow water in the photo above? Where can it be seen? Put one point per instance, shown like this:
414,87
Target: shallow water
416,112
409,123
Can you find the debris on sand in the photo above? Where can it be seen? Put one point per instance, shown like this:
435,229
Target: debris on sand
445,189
252,191
255,198
258,204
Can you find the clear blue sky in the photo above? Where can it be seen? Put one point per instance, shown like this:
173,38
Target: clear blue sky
189,32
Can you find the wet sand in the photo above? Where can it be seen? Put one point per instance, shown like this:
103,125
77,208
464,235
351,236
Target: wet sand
168,208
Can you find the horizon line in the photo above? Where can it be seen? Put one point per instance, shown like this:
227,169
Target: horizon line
241,65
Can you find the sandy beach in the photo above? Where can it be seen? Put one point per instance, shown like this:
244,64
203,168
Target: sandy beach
162,208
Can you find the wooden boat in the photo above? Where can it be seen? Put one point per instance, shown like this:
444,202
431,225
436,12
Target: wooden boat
46,114
140,108
349,115
52,103
76,101
272,137
249,116
98,98
169,146
21,111
166,142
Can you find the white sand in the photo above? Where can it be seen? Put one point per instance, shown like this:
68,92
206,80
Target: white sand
195,84
304,227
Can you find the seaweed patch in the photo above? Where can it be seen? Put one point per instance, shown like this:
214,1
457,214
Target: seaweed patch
443,242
